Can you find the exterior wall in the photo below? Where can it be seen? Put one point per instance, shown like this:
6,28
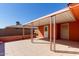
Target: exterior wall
13,31
74,27
73,31
14,34
14,38
41,31
58,31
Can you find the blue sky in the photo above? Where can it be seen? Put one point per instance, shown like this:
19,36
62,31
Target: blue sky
10,13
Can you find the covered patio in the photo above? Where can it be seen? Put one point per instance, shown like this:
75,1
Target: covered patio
61,16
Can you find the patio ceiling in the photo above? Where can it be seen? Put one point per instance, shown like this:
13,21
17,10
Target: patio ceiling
61,16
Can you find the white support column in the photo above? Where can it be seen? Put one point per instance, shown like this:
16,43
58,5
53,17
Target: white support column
50,33
54,33
32,33
23,32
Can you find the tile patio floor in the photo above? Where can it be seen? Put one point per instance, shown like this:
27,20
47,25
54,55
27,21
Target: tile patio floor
41,48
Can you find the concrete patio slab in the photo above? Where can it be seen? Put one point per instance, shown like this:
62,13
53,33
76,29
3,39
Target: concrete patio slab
41,48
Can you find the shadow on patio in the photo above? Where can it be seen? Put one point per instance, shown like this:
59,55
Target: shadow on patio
71,45
69,52
60,41
43,41
68,43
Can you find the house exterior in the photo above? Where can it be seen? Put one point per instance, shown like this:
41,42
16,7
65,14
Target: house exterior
11,31
65,30
66,25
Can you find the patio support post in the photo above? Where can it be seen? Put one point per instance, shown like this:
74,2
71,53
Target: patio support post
50,33
32,33
54,33
23,32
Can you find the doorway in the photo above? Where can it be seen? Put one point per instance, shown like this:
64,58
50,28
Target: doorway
46,31
64,31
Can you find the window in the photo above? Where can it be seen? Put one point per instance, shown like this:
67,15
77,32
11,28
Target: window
46,28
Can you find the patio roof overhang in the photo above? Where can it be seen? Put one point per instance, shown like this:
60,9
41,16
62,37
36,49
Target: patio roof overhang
18,26
64,15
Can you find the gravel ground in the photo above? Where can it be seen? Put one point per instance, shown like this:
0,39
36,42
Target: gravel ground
41,48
